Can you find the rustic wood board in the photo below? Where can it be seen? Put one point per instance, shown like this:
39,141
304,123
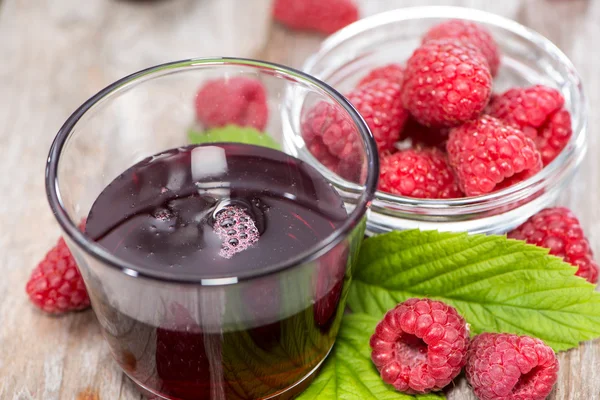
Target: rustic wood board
56,53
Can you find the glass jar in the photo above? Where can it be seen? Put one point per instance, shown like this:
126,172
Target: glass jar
209,333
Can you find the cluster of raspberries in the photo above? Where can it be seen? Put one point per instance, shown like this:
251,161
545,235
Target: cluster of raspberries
457,137
421,345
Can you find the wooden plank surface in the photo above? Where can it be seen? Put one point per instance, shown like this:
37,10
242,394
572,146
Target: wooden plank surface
56,53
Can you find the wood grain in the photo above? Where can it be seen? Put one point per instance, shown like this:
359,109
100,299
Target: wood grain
56,53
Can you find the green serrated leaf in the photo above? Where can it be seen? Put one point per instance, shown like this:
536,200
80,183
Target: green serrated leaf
497,284
349,374
233,133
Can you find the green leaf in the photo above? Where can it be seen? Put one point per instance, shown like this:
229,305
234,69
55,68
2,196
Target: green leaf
349,374
497,284
233,133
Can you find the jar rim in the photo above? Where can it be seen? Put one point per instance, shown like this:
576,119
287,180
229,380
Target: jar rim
363,197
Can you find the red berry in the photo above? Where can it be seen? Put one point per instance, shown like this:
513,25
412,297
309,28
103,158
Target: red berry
420,173
488,154
420,346
321,153
538,111
558,229
470,32
240,101
379,103
342,156
502,366
554,135
390,72
55,285
446,82
334,128
315,15
526,107
349,168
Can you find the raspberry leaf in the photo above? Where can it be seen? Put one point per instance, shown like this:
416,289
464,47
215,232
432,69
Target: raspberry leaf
348,372
497,284
233,133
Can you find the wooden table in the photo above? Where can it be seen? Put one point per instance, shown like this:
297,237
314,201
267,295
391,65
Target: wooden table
56,53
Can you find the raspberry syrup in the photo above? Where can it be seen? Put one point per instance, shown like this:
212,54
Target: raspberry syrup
211,211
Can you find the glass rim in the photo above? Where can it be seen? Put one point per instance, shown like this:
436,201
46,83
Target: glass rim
571,153
98,252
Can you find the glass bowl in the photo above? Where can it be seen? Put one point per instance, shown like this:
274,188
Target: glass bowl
528,58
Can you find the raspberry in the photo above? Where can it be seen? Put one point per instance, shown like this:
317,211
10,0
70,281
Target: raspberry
446,82
469,32
502,366
390,72
315,15
379,103
333,127
420,173
554,135
526,107
420,346
236,229
240,101
55,285
487,154
321,153
558,229
424,136
538,111
326,121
